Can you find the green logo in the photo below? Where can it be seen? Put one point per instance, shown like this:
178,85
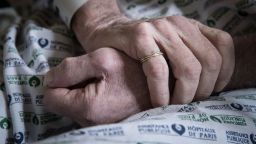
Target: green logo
229,119
34,81
31,63
215,119
5,123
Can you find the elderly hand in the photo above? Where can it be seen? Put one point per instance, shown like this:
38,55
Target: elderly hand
201,58
101,87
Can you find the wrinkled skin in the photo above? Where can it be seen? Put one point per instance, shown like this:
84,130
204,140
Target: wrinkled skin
200,58
104,86
120,90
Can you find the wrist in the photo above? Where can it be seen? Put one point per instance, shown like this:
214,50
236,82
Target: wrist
96,14
82,24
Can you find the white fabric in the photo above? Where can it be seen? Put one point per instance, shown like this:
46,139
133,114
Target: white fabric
30,48
226,119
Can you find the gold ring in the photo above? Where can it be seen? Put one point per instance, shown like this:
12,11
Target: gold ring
154,54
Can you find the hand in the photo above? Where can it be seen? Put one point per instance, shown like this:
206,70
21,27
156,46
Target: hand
201,58
101,87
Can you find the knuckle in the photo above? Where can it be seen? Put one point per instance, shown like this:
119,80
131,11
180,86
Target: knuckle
159,22
158,70
213,61
224,36
66,63
176,18
66,67
142,38
192,70
224,39
106,59
195,22
142,29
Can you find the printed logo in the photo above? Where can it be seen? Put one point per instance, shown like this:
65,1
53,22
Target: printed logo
110,131
38,119
18,137
219,107
145,115
36,53
234,107
187,108
249,96
202,117
202,133
31,63
229,119
43,42
154,129
253,138
164,107
179,129
34,81
24,98
237,106
5,123
13,62
39,100
42,66
215,119
237,137
77,133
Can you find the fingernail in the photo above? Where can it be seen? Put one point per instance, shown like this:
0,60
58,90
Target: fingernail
48,79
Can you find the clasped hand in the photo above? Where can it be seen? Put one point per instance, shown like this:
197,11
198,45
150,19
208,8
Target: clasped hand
107,85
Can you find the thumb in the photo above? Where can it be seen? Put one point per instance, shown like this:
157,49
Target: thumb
74,104
72,71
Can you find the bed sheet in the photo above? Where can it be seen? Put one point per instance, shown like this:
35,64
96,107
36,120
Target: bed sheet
31,46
